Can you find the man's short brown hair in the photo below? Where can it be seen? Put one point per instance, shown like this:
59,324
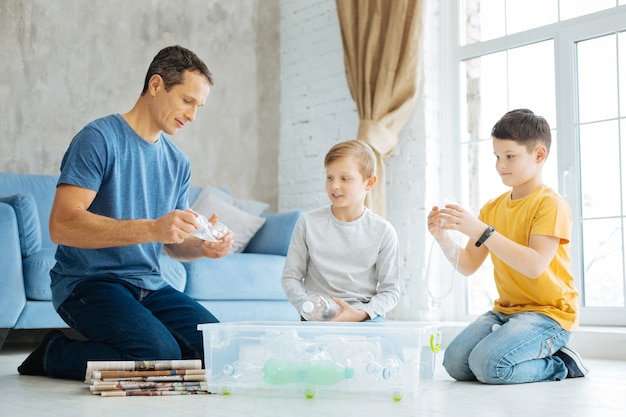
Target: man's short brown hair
171,63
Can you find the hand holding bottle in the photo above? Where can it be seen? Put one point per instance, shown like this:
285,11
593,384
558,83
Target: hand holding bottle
212,231
443,259
319,308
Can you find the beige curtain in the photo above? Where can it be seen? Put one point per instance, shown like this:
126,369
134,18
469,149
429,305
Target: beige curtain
381,45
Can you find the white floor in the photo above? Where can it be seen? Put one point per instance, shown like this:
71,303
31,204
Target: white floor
603,393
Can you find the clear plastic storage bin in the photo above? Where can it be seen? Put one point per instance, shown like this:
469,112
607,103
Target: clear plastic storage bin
320,359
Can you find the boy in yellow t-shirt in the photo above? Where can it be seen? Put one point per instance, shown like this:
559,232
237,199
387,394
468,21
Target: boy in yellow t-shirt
526,230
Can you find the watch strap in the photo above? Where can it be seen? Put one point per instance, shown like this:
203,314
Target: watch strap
488,232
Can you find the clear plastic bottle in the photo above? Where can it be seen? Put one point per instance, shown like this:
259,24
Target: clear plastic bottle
390,368
242,370
213,232
319,308
316,372
442,266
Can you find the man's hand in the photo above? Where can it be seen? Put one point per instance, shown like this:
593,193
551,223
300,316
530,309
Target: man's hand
175,226
349,313
218,249
190,247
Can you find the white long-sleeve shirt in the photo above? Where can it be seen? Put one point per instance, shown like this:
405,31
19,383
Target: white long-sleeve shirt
356,261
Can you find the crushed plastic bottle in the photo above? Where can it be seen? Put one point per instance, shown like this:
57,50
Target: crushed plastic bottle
213,232
442,266
317,372
390,368
319,308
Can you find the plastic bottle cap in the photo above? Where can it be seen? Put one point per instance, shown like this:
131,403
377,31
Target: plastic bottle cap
308,307
349,373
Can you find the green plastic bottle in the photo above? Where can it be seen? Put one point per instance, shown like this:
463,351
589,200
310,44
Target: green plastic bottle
317,372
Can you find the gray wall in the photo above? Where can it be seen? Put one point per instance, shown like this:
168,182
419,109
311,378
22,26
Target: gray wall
66,62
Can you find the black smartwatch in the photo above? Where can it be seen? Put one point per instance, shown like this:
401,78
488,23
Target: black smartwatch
485,236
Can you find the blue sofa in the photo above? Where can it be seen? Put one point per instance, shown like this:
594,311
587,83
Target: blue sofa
240,286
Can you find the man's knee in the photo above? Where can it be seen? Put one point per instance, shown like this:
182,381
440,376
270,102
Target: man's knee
159,348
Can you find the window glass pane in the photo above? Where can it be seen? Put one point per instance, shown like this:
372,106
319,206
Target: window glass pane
597,79
603,267
485,94
623,158
481,289
507,80
482,181
484,20
621,43
550,173
575,8
531,86
600,170
527,14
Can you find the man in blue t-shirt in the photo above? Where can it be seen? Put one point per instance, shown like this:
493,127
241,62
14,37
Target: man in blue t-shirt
121,199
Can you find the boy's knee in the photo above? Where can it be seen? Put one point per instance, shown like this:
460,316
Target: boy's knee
481,371
485,370
456,366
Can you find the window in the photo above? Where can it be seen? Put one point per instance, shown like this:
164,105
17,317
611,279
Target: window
565,60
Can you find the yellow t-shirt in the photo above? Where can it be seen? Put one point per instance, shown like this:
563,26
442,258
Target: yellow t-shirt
546,213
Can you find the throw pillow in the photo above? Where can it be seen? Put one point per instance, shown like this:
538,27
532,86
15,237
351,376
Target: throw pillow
28,225
222,193
244,225
251,206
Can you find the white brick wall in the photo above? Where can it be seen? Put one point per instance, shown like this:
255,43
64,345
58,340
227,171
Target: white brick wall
316,108
317,111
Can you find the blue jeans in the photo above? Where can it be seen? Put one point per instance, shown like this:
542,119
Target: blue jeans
124,322
518,351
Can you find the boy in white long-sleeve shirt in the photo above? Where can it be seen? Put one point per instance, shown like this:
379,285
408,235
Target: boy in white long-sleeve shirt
345,251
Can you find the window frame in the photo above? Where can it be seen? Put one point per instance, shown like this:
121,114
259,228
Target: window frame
565,35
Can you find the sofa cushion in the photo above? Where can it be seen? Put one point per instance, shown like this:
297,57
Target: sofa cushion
42,187
238,276
37,274
244,225
250,206
28,226
220,192
275,235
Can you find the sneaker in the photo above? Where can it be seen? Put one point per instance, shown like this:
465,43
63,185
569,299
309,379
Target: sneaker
573,362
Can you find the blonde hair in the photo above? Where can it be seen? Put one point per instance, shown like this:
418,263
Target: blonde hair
361,151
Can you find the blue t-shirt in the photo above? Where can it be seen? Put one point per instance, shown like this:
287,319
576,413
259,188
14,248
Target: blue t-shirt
133,179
